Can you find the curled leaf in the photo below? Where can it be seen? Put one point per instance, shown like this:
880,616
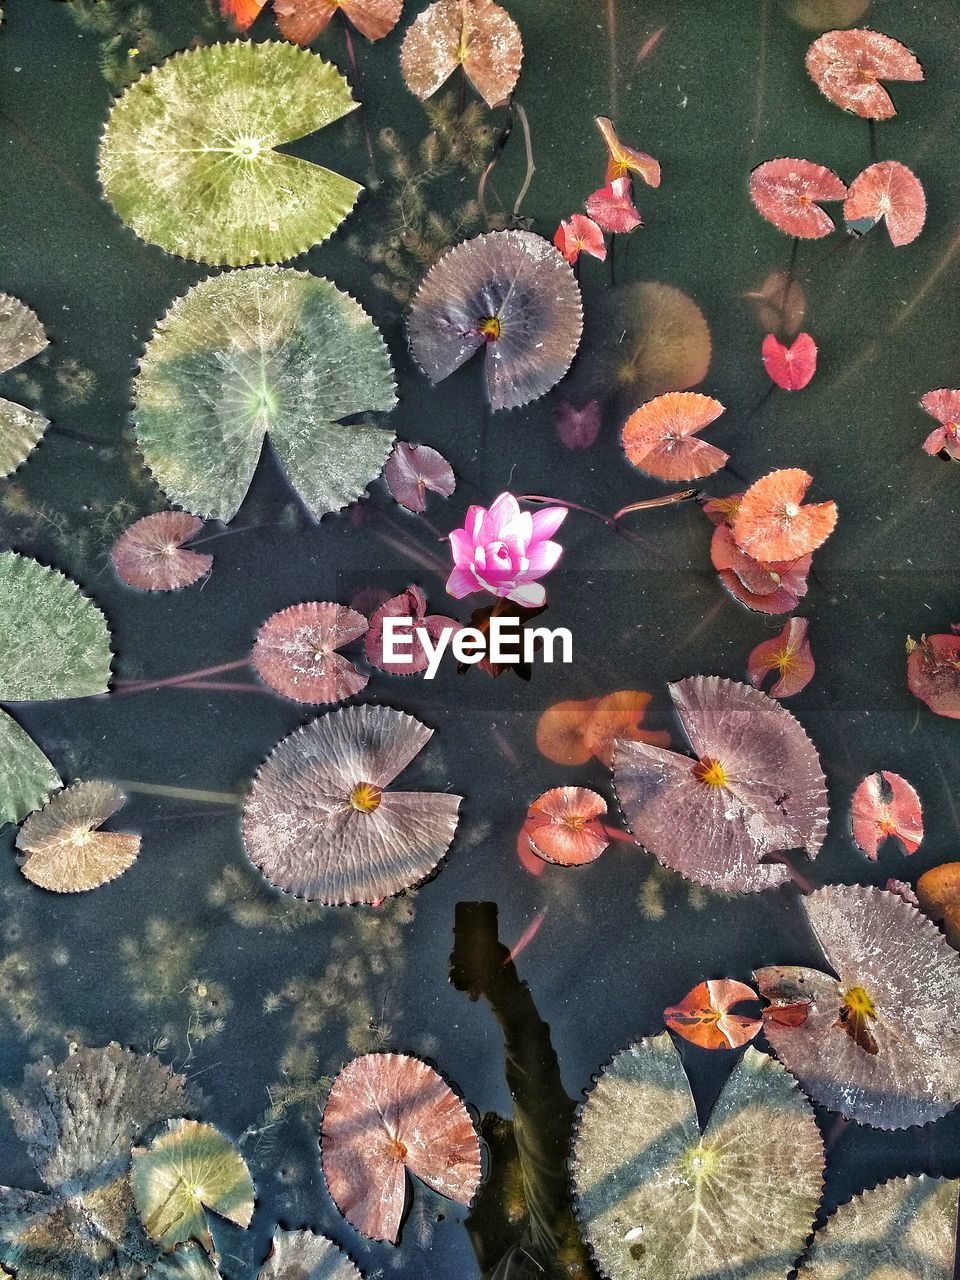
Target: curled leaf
65,850
388,1113
659,438
787,654
563,826
478,35
879,1042
789,192
777,587
295,652
944,406
510,294
151,554
611,207
847,67
753,789
412,469
624,160
884,804
704,1015
887,192
933,673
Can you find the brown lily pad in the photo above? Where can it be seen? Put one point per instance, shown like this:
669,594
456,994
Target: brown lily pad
65,850
295,652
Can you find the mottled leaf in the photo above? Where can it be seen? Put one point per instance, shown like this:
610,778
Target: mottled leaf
704,1016
27,778
301,1255
151,555
62,845
884,804
303,20
295,652
847,67
478,35
21,338
789,192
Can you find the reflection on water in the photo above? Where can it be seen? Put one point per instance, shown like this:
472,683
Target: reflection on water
260,998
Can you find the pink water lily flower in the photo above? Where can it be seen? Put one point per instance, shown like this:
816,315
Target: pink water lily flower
504,550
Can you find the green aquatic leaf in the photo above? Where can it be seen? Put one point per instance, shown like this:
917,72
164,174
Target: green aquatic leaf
188,1169
21,338
188,158
266,351
54,640
27,778
660,1200
905,1229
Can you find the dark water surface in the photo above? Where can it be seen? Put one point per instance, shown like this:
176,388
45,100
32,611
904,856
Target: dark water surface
191,936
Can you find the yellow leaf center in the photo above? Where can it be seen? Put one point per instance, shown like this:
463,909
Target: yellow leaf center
365,797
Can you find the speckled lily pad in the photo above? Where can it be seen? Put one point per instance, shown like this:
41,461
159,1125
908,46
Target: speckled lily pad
301,1255
660,1200
248,354
21,338
189,155
27,778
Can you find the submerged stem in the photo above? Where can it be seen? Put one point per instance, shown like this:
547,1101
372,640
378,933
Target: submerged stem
358,79
141,686
178,793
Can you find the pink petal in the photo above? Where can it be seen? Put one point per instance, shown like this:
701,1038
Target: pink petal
462,582
547,521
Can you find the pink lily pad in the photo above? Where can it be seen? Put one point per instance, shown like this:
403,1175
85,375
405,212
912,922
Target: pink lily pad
412,469
151,555
408,604
295,652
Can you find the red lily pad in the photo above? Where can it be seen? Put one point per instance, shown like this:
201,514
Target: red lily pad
408,604
772,525
790,367
303,20
412,469
890,192
878,1040
242,12
611,207
659,437
933,673
151,556
944,405
703,1015
320,823
789,192
754,788
295,652
772,588
787,654
847,67
387,1114
884,804
563,826
510,294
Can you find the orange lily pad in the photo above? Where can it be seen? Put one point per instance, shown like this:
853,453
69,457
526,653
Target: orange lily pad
771,524
387,1114
659,437
573,732
242,12
847,67
938,892
703,1015
787,654
884,804
563,826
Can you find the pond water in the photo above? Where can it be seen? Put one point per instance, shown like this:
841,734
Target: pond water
262,999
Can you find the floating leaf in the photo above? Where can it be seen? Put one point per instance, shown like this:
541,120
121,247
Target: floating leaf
563,826
578,428
151,553
408,604
624,160
27,778
189,156
266,351
790,367
295,652
944,405
756,788
575,731
905,1229
659,437
703,1015
301,1255
884,804
933,673
879,1042
319,823
189,1262
938,894
847,67
611,207
21,338
65,850
787,654
771,525
656,1197
243,12
412,469
788,193
772,588
578,234
188,1169
54,640
510,293
388,1113
887,191
303,20
478,35
79,1121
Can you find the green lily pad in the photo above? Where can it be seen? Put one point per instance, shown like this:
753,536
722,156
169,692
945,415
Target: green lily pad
905,1229
54,640
27,778
21,338
659,1200
301,1255
188,1169
188,158
266,351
